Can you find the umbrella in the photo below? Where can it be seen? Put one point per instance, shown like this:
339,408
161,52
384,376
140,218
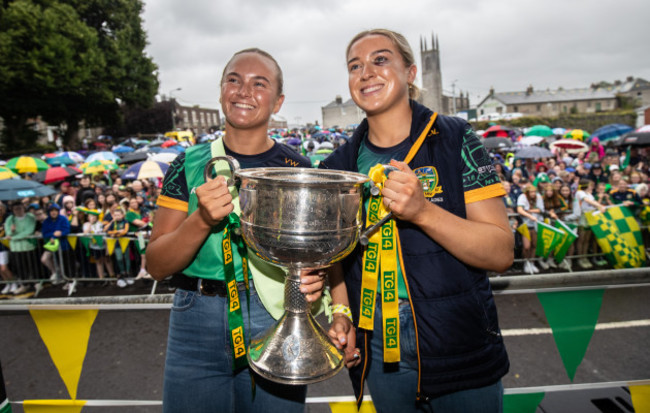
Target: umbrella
12,189
539,130
534,152
55,174
294,142
60,161
123,149
6,173
98,166
559,131
577,134
572,146
146,169
103,155
498,131
612,131
168,143
157,142
531,140
173,149
634,139
133,157
644,128
326,145
75,156
497,143
324,151
166,157
23,164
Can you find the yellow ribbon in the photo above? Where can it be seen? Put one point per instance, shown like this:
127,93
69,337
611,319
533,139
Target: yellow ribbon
381,252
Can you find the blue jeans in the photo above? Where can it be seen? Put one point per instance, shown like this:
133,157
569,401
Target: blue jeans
393,386
198,368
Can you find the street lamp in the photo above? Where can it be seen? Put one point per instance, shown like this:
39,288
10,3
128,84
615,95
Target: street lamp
453,95
171,99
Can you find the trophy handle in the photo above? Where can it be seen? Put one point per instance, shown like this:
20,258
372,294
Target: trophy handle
232,163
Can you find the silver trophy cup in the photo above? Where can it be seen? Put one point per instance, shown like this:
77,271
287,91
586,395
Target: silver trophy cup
297,218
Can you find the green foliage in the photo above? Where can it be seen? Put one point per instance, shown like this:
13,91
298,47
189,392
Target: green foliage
72,60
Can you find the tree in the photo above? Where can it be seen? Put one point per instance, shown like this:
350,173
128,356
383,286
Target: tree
46,55
93,60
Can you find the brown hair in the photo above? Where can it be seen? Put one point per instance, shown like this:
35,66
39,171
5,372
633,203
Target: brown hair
400,43
260,52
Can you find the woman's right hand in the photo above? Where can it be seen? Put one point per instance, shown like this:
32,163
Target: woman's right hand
215,201
344,337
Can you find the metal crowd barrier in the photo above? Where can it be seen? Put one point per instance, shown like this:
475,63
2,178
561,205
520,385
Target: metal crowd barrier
72,266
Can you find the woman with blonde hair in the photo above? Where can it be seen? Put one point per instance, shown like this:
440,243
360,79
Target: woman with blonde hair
445,237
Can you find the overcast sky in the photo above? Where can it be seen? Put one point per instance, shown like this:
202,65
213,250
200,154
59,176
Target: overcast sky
505,44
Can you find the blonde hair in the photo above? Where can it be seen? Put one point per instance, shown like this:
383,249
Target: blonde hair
402,45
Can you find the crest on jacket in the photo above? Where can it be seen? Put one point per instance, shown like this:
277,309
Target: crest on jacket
429,179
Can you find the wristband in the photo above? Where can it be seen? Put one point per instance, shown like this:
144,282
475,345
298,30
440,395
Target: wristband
342,309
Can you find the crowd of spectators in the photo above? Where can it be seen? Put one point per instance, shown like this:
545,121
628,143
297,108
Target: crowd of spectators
36,233
564,187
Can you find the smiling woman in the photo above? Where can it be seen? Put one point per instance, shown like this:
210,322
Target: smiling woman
427,336
206,365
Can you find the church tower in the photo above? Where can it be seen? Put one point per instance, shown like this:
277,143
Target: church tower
431,75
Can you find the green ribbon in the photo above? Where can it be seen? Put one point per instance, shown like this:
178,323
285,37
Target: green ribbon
235,317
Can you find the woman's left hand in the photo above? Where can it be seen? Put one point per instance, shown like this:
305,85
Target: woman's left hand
403,192
312,284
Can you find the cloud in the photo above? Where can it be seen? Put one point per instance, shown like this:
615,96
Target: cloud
507,44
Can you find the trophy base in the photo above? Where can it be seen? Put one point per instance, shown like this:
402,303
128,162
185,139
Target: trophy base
295,350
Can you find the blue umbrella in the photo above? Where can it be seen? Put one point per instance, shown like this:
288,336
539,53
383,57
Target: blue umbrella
611,132
12,189
103,155
123,149
60,161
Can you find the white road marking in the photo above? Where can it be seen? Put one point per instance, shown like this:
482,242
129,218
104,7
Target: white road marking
600,326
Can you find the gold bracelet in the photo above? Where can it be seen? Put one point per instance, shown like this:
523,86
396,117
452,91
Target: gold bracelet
342,309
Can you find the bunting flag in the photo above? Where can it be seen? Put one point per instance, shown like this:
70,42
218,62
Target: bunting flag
142,243
640,398
568,238
572,316
522,403
65,334
124,243
351,407
53,406
85,241
523,230
618,236
110,245
5,407
98,240
73,241
547,238
5,242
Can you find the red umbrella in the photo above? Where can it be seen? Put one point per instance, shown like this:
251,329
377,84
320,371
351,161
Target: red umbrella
168,143
56,174
498,131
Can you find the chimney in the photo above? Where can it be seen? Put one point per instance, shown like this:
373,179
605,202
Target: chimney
491,90
339,100
630,79
529,90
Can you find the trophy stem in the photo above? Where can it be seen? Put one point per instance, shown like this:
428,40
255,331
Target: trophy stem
294,300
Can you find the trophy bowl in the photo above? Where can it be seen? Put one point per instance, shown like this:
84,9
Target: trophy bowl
297,218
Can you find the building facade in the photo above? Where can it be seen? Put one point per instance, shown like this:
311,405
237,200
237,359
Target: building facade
599,97
199,120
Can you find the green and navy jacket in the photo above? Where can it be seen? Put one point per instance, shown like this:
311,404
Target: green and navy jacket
459,342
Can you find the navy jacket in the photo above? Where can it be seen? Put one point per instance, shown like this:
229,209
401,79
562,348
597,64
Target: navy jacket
459,342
